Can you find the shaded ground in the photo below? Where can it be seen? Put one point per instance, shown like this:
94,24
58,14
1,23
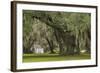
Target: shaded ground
52,57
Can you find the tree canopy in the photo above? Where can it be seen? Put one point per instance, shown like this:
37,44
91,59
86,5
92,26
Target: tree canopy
66,32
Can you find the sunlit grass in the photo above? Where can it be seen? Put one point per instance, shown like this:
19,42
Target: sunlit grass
53,57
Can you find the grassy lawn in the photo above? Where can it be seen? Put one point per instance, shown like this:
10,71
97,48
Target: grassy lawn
52,57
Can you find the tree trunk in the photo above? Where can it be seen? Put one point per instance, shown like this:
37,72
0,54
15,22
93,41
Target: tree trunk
59,41
51,46
78,43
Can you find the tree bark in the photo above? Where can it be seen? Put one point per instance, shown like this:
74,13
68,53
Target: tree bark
59,41
51,46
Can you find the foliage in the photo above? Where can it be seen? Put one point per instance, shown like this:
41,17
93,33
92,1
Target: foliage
67,32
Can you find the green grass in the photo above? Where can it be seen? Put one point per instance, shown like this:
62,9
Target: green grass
52,57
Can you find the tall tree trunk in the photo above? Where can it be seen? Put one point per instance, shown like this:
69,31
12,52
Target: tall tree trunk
78,43
51,46
59,41
88,41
